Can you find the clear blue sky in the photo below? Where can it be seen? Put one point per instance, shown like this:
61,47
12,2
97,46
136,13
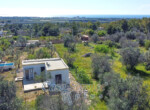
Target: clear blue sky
47,8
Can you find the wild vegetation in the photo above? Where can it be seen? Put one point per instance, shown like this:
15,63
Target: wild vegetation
113,65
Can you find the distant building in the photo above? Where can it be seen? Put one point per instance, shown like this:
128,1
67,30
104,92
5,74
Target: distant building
29,42
56,67
84,37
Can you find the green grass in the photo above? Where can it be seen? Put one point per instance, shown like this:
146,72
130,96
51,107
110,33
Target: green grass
82,62
141,67
98,105
49,38
145,74
8,75
142,49
29,105
117,67
85,64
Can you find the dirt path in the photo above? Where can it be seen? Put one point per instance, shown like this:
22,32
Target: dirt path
57,55
20,71
23,57
75,86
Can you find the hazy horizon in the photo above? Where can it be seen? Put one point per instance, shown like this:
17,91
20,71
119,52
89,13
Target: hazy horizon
89,16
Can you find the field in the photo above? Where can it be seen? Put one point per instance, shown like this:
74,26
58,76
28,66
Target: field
85,64
81,62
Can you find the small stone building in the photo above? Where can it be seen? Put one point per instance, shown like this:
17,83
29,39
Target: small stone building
84,37
56,67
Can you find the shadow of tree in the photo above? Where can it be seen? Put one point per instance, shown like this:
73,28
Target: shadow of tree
139,72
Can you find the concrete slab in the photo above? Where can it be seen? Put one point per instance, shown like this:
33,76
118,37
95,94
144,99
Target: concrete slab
35,86
18,79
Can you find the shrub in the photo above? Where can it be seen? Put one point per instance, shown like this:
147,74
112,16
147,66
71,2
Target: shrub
42,53
83,78
31,56
141,42
15,37
112,29
102,48
102,33
86,43
128,43
131,35
72,47
90,32
31,46
110,43
147,44
69,59
4,44
116,37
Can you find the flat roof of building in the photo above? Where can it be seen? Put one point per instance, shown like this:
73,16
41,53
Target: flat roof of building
32,40
85,36
50,64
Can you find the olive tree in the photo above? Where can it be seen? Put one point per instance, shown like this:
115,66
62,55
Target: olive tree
95,38
147,59
1,54
125,94
130,57
128,43
60,102
100,65
69,59
70,43
67,40
8,98
21,41
50,46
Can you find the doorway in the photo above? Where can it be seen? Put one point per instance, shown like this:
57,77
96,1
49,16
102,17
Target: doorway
27,74
58,79
42,69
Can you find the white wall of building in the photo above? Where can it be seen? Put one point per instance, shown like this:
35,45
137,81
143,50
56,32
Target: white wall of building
64,74
36,68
